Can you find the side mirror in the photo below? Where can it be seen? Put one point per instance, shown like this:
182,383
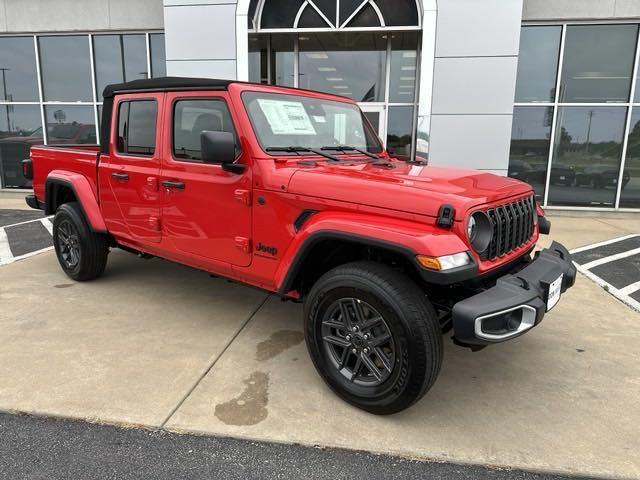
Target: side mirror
220,147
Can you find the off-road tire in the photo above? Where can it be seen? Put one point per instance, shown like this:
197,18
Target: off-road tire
412,323
93,247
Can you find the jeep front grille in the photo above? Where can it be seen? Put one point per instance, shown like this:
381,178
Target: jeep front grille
513,226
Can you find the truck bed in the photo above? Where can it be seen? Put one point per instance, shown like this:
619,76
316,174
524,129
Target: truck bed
82,159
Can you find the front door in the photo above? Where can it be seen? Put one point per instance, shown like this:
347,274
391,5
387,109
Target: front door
376,114
130,195
206,210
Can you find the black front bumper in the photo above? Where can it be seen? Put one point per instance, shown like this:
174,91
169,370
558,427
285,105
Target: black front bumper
516,303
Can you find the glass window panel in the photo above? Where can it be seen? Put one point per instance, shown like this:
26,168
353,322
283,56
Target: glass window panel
18,66
348,64
328,7
67,124
348,8
402,80
20,128
399,128
191,118
398,12
119,58
366,17
158,55
66,73
630,195
280,13
258,58
538,64
586,157
598,63
530,142
310,18
137,127
282,60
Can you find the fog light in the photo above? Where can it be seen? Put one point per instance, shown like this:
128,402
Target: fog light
446,262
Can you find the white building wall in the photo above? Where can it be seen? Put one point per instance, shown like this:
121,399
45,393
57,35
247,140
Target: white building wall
25,16
580,9
476,61
200,38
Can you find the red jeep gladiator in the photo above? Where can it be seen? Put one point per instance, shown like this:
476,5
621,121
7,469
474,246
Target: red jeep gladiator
291,191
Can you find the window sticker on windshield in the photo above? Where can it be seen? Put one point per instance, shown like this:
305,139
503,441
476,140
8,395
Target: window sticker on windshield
319,119
286,118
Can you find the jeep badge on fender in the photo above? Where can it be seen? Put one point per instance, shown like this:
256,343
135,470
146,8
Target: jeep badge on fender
386,255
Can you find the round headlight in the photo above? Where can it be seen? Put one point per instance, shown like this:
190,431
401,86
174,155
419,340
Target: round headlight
479,231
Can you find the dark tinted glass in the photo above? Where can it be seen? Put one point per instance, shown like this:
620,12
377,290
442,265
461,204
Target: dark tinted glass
400,126
70,124
20,128
18,69
538,64
280,13
282,60
158,56
348,64
328,8
137,127
258,58
66,73
586,158
630,196
398,13
348,8
366,17
191,118
598,62
530,142
119,58
310,18
402,83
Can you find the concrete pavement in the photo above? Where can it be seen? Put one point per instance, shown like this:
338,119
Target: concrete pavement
158,344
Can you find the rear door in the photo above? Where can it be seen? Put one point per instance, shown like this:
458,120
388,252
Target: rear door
131,203
206,210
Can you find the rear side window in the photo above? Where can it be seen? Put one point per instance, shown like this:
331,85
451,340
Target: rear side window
137,127
191,118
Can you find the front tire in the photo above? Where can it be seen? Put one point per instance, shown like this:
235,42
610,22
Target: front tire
82,254
373,336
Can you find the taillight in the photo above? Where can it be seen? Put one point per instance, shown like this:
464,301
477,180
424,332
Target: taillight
27,169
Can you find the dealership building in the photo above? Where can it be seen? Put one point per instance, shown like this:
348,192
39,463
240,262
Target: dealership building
542,90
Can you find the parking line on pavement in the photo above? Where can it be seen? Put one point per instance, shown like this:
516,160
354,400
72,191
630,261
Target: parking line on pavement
623,293
6,256
48,225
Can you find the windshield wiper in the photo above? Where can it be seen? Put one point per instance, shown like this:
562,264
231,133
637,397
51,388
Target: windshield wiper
299,150
346,148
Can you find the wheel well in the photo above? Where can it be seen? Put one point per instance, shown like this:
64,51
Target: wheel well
326,254
56,195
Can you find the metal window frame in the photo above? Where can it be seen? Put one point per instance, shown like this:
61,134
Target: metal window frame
556,104
95,101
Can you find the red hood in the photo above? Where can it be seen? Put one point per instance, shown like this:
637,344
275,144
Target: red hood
409,188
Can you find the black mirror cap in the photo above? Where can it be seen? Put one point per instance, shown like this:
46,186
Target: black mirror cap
217,147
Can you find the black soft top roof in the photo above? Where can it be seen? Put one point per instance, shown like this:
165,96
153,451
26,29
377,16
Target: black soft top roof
164,84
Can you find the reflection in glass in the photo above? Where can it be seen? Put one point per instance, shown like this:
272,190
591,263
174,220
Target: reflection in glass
158,55
399,130
282,60
348,64
586,157
598,62
530,141
630,195
70,124
402,82
18,70
119,58
20,128
66,73
538,64
258,59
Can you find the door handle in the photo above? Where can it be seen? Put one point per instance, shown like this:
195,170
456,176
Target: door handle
172,184
120,176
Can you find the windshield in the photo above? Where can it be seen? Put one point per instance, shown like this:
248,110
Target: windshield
282,120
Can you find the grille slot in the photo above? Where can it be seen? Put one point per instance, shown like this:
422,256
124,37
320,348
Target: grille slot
513,225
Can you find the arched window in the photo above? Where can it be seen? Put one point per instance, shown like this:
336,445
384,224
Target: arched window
333,14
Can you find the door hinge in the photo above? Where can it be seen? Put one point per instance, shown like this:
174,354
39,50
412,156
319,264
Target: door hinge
243,244
154,224
243,196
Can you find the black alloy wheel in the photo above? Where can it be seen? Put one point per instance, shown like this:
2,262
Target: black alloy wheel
69,244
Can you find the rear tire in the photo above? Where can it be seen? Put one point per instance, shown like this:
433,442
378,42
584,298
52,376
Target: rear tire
82,254
388,352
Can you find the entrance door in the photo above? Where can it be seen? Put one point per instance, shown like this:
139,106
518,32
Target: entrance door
377,116
206,210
